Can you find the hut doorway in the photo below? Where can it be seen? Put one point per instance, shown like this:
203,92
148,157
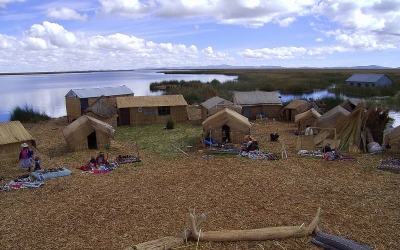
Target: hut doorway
226,133
84,104
92,141
124,117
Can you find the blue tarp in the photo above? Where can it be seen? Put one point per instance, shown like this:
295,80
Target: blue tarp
43,175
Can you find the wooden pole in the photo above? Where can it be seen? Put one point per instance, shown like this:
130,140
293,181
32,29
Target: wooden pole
255,234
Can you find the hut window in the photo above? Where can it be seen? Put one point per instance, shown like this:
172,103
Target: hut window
164,110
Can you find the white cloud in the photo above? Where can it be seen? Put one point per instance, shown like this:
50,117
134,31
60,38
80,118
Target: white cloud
128,8
274,53
286,21
65,14
319,39
8,42
54,34
3,3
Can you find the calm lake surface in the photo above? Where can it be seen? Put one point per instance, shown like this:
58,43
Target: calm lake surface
46,92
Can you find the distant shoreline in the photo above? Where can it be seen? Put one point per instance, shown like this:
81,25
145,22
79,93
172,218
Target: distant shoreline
63,72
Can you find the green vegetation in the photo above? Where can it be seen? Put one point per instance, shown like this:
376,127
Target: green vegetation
183,135
286,81
170,124
27,114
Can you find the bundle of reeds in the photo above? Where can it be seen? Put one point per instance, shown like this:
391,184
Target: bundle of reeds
349,127
352,129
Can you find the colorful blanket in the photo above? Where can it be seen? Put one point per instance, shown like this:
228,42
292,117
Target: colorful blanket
258,155
391,163
103,169
20,183
123,159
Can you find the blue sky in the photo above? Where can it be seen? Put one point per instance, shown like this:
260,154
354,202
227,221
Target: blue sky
130,34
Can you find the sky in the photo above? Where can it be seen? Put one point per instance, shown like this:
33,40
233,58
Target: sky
65,35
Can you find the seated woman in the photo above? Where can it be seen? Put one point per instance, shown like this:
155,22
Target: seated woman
101,159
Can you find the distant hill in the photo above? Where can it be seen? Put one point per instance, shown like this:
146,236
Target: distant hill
226,66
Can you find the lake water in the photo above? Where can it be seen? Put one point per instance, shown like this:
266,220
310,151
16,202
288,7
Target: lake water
46,92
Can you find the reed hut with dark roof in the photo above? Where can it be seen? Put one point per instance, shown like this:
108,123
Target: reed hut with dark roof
215,104
294,108
135,110
12,135
258,102
235,125
103,112
88,133
78,100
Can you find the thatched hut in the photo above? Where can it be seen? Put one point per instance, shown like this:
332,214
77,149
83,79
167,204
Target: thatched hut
151,109
77,100
330,118
254,103
88,133
294,108
103,112
235,125
308,117
12,135
350,104
215,104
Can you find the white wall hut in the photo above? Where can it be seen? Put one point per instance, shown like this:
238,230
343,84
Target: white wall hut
215,104
235,125
77,100
258,102
369,80
12,135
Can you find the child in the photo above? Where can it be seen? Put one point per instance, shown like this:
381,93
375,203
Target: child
37,164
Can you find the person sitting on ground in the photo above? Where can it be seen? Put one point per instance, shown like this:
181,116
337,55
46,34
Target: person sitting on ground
327,148
274,137
101,159
37,164
25,157
92,162
308,130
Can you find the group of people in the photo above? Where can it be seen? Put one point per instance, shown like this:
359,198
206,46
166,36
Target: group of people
26,160
250,144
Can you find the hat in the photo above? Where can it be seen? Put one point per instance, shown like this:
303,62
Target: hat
24,145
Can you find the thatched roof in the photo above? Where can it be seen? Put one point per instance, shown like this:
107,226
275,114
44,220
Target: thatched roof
297,104
256,98
329,119
214,102
151,101
306,115
84,126
97,92
102,109
14,131
227,117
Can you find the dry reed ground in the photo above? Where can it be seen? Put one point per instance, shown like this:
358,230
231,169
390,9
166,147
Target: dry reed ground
146,201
